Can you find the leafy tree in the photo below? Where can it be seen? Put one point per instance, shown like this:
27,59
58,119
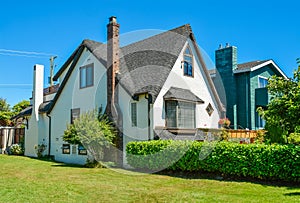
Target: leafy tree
5,113
94,131
282,113
4,106
20,106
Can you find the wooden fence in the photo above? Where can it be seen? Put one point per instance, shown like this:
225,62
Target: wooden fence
213,134
10,136
242,133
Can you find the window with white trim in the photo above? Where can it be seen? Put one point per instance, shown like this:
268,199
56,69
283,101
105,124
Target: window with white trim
262,82
180,114
188,62
87,76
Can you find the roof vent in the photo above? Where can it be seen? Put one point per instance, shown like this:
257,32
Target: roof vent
227,45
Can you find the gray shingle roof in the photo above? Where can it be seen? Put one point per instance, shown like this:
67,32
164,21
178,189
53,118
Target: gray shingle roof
144,65
250,64
242,66
175,93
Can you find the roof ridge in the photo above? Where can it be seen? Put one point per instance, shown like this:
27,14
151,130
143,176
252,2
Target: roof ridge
177,30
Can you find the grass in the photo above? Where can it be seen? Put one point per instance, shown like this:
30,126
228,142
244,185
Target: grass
30,180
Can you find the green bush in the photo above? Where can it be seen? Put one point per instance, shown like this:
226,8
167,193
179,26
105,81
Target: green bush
294,138
269,162
16,149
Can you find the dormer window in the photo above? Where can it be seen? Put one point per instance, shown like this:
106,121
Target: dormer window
188,62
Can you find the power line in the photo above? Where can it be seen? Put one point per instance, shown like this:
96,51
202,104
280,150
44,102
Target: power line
10,52
23,55
25,52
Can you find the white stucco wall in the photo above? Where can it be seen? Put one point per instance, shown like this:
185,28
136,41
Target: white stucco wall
73,97
37,131
133,133
197,84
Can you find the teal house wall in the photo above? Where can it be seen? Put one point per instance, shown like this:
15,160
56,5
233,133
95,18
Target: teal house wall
226,63
242,88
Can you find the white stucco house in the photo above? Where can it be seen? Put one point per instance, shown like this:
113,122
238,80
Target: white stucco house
150,87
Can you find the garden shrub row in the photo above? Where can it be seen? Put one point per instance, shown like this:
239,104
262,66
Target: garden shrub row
269,162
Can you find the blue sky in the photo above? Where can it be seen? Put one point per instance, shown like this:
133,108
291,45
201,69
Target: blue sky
259,29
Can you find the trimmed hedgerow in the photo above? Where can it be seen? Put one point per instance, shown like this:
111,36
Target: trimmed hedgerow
270,162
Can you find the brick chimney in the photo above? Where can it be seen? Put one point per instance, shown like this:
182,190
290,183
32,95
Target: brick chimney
113,62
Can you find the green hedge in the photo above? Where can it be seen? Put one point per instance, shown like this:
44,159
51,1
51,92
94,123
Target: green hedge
271,162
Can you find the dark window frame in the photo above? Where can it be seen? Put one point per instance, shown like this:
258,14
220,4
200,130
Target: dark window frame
209,109
66,149
82,150
75,111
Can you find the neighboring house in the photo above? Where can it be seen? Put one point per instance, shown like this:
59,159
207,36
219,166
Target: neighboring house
159,83
244,87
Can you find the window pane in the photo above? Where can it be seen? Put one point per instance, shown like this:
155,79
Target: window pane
188,68
187,51
82,77
180,114
66,149
188,59
261,122
89,76
75,113
171,114
186,115
263,82
133,115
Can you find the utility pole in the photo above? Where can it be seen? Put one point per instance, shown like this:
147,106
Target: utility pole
51,70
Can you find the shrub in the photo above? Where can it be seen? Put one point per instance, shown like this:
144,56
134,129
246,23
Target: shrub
16,149
39,149
269,162
294,138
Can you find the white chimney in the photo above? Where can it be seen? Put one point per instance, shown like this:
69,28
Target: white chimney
38,89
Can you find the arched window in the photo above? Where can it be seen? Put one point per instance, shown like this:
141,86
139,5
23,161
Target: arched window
188,62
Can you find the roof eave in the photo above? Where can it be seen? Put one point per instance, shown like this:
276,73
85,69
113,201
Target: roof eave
260,66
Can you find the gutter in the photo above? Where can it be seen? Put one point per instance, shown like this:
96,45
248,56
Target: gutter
149,98
49,136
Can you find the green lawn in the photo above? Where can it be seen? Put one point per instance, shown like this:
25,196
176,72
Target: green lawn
30,180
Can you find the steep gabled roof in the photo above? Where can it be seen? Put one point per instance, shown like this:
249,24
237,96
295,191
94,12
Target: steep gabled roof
144,65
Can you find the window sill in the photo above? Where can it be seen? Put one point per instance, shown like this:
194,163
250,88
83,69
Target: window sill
179,131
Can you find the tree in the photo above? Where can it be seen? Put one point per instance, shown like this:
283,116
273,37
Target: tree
20,106
94,131
282,113
4,106
5,113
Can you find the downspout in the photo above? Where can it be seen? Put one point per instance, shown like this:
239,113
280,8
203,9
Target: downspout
49,135
149,98
247,102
